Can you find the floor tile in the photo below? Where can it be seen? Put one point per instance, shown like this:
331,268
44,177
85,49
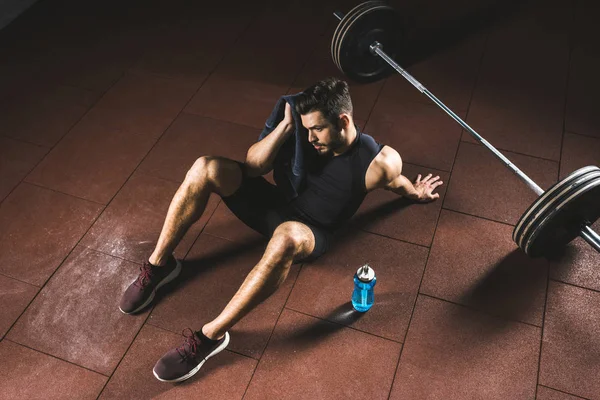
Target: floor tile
130,226
191,50
92,162
390,215
213,272
16,160
14,297
570,352
308,358
22,368
76,316
398,267
449,74
237,98
545,393
224,376
578,151
45,226
581,112
455,353
481,185
475,262
422,134
43,115
192,136
142,103
578,264
519,106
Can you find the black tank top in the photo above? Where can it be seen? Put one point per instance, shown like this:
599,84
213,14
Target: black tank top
335,186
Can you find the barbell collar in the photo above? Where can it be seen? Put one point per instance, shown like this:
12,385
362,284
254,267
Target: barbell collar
590,236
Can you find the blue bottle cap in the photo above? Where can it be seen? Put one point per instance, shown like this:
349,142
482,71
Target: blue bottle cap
365,273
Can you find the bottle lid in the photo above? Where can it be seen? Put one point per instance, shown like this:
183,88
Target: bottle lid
365,273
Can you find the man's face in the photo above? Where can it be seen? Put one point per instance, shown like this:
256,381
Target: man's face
324,136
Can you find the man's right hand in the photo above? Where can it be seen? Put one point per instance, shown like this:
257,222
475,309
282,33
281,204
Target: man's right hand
288,120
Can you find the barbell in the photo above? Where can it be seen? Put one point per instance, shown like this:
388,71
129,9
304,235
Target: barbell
559,215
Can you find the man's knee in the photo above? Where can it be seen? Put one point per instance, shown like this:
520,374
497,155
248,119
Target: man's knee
292,240
220,174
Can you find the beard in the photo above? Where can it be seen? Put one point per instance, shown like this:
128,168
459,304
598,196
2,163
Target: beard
328,149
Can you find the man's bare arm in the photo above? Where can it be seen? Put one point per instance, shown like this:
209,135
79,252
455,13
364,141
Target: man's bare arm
385,172
260,156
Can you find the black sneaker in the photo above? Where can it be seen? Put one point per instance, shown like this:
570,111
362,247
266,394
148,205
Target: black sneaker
184,361
141,291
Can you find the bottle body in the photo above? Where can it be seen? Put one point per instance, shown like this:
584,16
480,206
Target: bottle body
363,296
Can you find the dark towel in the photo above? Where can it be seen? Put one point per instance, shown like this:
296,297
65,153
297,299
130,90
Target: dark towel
288,167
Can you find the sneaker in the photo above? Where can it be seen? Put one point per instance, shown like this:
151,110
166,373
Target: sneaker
142,291
184,361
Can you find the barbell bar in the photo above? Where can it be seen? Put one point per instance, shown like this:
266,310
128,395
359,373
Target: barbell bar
557,216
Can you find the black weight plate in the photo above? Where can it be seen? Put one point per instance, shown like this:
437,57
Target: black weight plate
539,205
344,23
565,221
378,23
554,201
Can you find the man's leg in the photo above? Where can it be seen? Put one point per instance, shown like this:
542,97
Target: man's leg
290,241
207,175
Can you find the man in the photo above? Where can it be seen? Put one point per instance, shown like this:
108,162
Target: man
342,166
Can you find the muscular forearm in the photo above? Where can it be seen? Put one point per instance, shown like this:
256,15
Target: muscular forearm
404,187
261,155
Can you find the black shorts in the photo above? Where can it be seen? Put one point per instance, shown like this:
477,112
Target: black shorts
261,206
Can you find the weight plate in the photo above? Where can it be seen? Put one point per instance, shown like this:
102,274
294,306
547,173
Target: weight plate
564,222
376,23
344,23
567,189
535,208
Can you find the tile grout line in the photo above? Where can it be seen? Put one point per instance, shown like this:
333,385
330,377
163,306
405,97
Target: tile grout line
478,216
478,75
283,308
513,152
561,391
19,280
55,357
548,268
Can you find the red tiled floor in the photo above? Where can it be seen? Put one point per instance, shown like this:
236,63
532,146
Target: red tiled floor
482,185
16,160
92,162
449,74
324,287
76,316
421,133
579,264
545,393
14,297
43,115
192,136
570,352
22,370
224,376
578,151
142,103
213,271
475,262
387,214
455,353
518,104
130,226
308,358
38,228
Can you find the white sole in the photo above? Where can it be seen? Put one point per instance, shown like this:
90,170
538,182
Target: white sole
174,274
192,372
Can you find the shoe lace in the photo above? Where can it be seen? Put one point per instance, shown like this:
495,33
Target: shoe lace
190,345
145,275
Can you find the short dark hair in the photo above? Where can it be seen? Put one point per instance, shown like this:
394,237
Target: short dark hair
331,96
